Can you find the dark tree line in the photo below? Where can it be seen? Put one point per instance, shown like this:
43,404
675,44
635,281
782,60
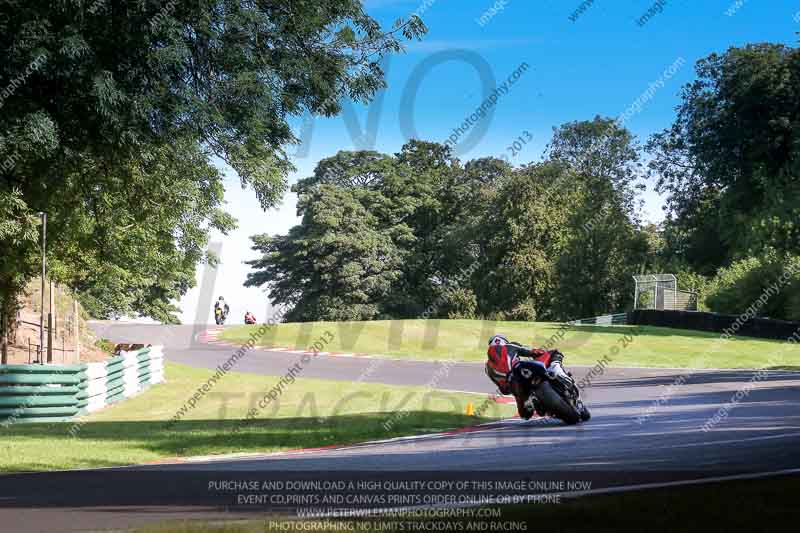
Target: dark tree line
730,167
419,233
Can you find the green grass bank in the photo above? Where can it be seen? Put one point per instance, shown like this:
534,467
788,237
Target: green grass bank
309,413
465,340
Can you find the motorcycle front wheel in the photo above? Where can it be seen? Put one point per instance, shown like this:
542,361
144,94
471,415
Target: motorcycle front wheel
555,405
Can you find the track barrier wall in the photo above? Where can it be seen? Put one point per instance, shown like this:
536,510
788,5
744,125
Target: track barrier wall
58,393
764,328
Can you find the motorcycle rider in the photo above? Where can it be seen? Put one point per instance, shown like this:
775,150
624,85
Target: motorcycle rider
249,318
504,359
221,310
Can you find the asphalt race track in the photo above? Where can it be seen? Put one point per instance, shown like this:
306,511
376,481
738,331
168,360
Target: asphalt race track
647,427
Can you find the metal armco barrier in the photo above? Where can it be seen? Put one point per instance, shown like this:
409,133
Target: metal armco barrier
57,393
603,320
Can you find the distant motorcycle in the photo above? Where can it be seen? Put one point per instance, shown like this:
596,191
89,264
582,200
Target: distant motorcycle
219,316
557,396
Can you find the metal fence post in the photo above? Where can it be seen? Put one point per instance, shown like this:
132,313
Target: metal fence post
76,330
50,326
44,273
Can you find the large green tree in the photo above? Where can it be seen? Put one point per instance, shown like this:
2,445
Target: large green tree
604,246
419,234
424,172
382,235
112,112
523,233
730,162
338,264
605,156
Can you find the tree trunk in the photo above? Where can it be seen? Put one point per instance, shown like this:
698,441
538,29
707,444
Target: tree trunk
9,306
76,330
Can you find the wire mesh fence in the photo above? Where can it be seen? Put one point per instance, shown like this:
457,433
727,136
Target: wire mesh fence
660,291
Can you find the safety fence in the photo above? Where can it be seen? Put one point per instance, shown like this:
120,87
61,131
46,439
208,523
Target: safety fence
56,393
764,328
742,326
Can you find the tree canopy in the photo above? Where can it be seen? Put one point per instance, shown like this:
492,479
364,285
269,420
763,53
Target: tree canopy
730,162
418,233
561,238
113,113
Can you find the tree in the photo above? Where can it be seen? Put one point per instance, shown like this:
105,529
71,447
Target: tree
147,94
405,220
606,157
425,170
767,286
730,161
523,235
604,246
430,237
338,264
147,231
364,168
17,231
468,196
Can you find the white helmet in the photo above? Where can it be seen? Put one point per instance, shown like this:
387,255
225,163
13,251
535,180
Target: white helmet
499,340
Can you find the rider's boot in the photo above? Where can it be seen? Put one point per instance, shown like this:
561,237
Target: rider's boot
524,408
585,414
534,406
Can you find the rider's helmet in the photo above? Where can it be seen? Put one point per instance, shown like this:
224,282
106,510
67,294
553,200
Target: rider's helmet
221,299
499,340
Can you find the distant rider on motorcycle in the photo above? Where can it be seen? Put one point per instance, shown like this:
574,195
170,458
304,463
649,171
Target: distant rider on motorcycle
504,359
221,311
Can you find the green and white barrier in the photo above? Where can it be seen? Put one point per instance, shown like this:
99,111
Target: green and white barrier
40,392
54,393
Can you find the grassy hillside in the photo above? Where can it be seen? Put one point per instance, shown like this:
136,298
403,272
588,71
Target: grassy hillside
466,340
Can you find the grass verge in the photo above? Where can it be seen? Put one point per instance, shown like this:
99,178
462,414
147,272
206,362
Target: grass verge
756,505
465,340
309,413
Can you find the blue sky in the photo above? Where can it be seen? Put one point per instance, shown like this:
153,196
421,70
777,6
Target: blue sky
600,63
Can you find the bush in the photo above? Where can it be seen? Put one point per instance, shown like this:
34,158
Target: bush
105,345
692,281
460,303
768,286
645,300
524,311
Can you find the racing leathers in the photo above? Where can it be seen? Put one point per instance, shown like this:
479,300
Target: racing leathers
504,358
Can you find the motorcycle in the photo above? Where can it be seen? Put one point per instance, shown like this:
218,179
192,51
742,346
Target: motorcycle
219,316
557,396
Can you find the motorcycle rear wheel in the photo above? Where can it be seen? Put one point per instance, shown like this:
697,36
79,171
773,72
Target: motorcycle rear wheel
555,405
